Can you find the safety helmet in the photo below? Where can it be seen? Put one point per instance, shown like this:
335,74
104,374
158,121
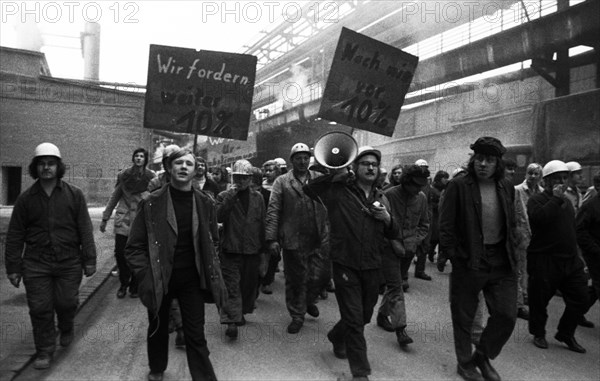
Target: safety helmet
554,166
281,162
47,149
299,147
242,167
573,166
422,163
367,150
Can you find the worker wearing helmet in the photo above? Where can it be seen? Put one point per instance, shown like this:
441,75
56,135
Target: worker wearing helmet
552,259
575,180
241,210
298,225
50,220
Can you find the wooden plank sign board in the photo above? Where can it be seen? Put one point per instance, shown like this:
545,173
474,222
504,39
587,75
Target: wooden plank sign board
199,92
367,83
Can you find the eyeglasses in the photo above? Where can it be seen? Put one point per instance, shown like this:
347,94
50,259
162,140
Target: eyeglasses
368,163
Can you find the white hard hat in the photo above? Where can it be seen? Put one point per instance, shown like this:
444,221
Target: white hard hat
242,167
281,162
422,163
299,147
47,149
573,166
554,166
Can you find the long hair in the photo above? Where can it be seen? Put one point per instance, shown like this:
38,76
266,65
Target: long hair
144,151
437,179
498,174
391,174
60,171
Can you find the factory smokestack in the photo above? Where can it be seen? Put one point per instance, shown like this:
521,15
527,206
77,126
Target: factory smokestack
90,44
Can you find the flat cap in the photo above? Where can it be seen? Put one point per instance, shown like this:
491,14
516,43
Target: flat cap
488,145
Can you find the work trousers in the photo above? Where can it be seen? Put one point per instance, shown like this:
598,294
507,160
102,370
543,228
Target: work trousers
356,292
51,286
126,277
306,274
392,303
593,265
240,273
499,286
185,286
546,275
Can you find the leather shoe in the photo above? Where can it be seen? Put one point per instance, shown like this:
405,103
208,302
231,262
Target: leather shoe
122,292
585,322
231,331
469,372
487,370
295,326
339,348
66,338
570,341
540,342
405,286
384,322
441,267
423,276
156,376
523,313
312,310
403,338
42,361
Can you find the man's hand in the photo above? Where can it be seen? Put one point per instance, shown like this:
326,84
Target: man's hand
103,226
380,213
15,279
274,248
89,270
559,190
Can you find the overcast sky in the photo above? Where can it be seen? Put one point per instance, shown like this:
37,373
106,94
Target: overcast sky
128,28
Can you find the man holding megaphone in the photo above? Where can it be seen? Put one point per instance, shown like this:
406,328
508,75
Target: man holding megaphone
360,220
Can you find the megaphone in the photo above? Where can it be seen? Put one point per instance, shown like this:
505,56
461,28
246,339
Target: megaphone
335,150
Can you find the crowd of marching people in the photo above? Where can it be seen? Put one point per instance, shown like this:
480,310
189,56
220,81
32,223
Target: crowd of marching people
193,235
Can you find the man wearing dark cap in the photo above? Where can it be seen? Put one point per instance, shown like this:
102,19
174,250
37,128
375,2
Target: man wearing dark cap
477,225
360,221
409,207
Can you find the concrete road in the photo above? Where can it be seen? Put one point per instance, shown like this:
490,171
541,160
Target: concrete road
110,344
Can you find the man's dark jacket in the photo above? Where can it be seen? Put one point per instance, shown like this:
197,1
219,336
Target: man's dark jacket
461,233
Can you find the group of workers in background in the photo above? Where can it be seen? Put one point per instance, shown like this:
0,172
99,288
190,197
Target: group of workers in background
191,236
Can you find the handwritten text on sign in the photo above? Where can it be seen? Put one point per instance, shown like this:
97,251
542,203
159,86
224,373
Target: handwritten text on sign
205,93
367,83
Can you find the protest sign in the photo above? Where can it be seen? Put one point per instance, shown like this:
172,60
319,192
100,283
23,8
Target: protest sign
199,92
367,83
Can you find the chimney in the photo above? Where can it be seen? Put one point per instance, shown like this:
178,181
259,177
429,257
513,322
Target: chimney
90,46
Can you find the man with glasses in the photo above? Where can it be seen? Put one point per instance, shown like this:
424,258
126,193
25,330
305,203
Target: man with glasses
477,223
360,220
